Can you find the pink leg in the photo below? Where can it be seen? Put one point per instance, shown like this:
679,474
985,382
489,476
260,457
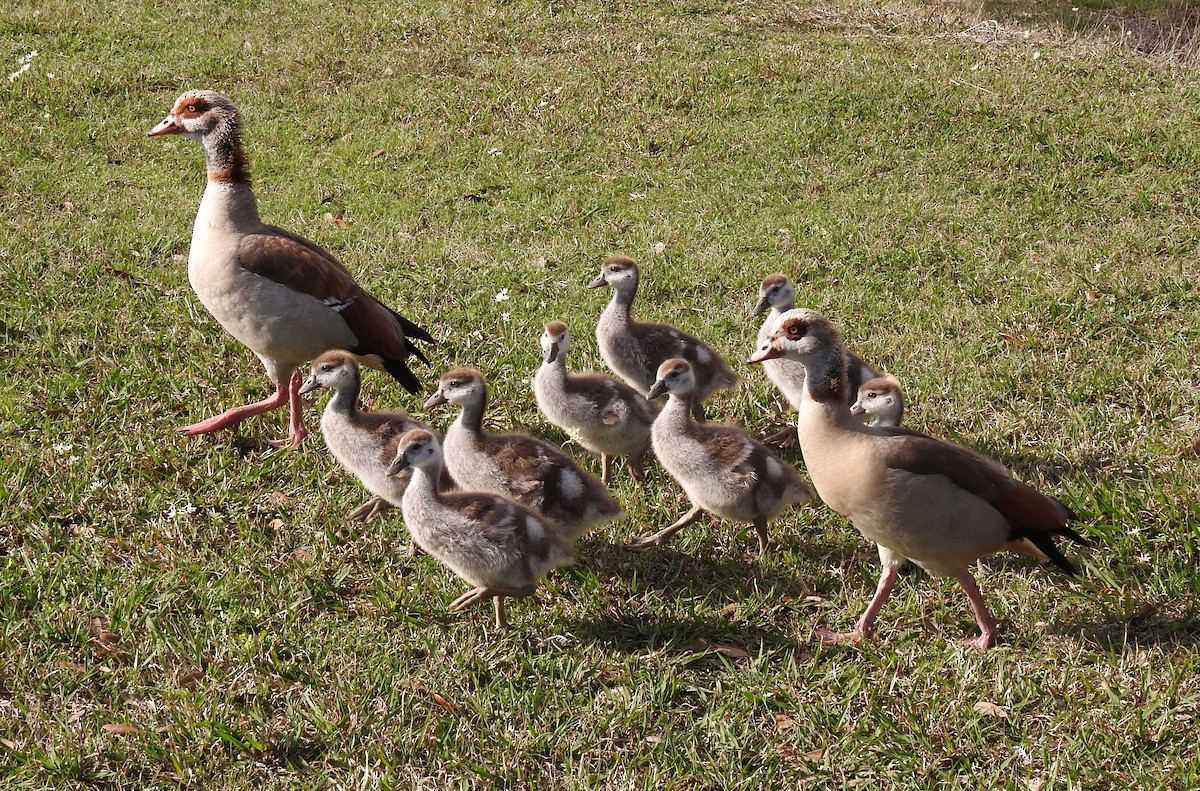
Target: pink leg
231,417
987,624
281,396
863,629
297,433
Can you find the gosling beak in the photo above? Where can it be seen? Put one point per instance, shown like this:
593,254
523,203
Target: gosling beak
760,307
856,409
599,281
437,399
552,353
656,390
398,466
309,385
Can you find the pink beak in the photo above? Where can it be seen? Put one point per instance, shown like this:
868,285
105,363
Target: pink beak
768,352
166,127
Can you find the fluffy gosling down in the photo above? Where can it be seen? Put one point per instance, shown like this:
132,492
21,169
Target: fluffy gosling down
721,468
605,416
276,292
533,472
497,545
364,443
635,349
918,498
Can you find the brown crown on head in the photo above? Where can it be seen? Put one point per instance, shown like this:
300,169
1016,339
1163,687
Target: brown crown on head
556,328
623,261
462,373
775,279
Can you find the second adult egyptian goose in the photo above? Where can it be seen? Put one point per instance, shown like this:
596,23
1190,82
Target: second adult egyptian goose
635,349
918,498
605,416
777,293
533,472
722,469
276,292
499,546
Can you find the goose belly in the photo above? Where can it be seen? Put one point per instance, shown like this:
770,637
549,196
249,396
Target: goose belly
274,321
358,452
689,463
470,467
932,521
459,542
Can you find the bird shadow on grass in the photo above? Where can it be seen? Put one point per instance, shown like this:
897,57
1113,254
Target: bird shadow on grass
665,599
636,632
1115,636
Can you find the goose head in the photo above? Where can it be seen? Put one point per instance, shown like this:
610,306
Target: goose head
555,341
197,113
799,335
459,386
336,370
675,377
417,448
882,399
620,272
775,292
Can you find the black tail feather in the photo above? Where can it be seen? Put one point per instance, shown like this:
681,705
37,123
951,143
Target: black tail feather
411,330
1045,542
401,373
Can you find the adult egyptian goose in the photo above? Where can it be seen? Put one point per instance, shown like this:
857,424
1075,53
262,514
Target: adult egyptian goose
605,416
497,545
635,349
721,468
880,399
363,442
535,473
919,498
279,294
777,293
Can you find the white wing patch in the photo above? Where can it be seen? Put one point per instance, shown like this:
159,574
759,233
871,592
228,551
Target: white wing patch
338,305
572,486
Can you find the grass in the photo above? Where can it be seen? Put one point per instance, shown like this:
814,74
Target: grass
1006,221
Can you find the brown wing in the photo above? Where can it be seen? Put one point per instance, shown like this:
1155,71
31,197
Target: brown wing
296,263
1020,503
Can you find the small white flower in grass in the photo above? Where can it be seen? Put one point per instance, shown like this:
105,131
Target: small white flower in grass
18,72
501,295
504,315
637,196
187,508
494,152
659,247
94,485
63,447
1145,558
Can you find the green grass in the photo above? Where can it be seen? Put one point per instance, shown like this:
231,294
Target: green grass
1007,222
